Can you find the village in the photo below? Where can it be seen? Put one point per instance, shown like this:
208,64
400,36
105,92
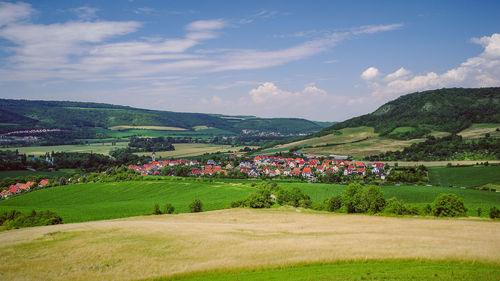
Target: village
22,187
307,166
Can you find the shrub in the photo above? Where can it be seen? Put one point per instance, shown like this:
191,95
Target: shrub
494,213
169,209
427,210
394,206
448,205
479,211
196,206
16,219
156,210
334,203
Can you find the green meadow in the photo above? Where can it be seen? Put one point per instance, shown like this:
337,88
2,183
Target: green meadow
356,270
99,201
464,176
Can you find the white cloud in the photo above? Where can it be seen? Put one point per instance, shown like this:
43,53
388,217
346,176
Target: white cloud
14,12
85,13
144,10
370,29
370,73
206,25
400,73
480,71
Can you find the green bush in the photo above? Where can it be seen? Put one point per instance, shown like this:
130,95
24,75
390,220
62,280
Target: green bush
371,200
16,219
267,194
394,206
169,209
350,197
334,203
448,205
156,210
196,206
494,213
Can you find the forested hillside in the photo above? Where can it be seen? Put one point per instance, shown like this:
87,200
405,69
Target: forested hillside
418,114
24,114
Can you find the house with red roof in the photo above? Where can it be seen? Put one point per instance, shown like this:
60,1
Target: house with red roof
306,172
5,194
43,182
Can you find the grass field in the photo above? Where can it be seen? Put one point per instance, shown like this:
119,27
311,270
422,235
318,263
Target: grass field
263,244
98,148
98,201
464,176
357,142
199,133
155,128
479,130
357,270
24,173
437,163
195,149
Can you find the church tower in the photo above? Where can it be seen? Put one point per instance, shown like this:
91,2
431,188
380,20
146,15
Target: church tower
153,156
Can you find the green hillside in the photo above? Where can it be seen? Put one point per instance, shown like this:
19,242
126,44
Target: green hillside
418,114
27,114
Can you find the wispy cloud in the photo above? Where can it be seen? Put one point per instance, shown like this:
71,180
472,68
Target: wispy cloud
85,13
14,12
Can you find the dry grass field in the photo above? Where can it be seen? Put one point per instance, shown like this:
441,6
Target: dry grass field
479,130
99,148
152,246
157,128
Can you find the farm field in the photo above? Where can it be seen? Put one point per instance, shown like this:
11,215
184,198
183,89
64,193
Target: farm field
464,176
199,132
479,130
24,173
437,163
98,148
157,128
99,201
195,149
254,241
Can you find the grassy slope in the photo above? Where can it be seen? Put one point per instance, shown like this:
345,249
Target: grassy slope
368,270
479,130
464,176
86,202
195,149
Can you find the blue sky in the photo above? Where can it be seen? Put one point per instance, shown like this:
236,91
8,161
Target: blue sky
320,60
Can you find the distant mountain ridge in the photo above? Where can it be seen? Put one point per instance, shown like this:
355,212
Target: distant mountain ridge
68,114
418,114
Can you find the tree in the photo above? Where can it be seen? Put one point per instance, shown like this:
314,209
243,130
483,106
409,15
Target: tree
350,197
494,213
371,200
196,206
448,205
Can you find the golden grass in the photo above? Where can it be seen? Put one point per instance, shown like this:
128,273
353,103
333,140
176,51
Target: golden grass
232,118
479,130
199,128
152,246
157,128
348,135
195,149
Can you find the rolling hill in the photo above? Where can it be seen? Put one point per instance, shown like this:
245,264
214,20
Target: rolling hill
418,114
30,114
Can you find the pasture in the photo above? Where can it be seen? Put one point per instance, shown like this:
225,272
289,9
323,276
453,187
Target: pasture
479,130
99,201
465,176
98,148
266,244
195,149
156,128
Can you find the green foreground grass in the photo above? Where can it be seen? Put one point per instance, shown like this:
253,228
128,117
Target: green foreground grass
99,201
357,270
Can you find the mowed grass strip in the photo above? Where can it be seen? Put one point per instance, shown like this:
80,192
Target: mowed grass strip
239,239
356,270
99,201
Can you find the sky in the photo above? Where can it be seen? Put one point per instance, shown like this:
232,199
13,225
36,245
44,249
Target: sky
319,60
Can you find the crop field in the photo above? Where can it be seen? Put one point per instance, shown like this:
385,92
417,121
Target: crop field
198,133
98,201
479,130
437,163
156,128
465,176
24,173
98,148
195,149
267,244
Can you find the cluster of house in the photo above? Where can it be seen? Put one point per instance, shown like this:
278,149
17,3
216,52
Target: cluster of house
20,187
271,166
